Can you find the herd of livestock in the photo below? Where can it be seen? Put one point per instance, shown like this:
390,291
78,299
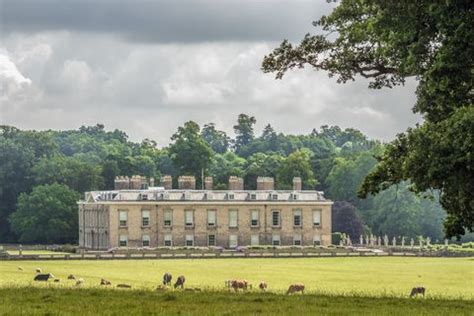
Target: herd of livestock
236,285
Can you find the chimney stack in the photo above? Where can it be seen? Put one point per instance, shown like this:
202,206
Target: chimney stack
121,183
297,184
208,182
166,182
265,183
236,183
187,183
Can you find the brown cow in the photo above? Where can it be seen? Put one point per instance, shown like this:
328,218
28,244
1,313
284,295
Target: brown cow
417,290
71,277
239,284
299,287
167,278
262,286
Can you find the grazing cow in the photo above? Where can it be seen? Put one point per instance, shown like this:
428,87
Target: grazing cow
228,283
240,284
20,268
105,282
38,270
71,277
57,280
79,281
295,288
167,278
43,277
180,281
417,290
262,286
124,286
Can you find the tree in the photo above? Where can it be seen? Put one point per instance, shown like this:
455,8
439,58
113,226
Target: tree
244,131
225,165
297,164
345,219
387,42
218,140
47,215
261,164
190,152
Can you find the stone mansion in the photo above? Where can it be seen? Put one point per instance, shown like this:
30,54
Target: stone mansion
137,214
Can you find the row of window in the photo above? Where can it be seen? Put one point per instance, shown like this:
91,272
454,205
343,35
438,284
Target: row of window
212,218
211,240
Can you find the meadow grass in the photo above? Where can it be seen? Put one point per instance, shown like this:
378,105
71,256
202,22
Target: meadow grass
446,278
35,252
87,301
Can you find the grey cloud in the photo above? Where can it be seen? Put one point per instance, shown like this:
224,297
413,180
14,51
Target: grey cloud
167,20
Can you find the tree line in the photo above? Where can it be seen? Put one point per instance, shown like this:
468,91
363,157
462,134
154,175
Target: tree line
44,173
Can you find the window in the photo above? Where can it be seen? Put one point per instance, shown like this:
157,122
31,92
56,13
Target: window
297,217
168,240
211,240
276,240
168,218
253,196
146,241
233,218
297,240
317,240
123,218
145,218
233,241
189,240
230,196
144,197
123,241
189,218
211,218
254,240
274,196
275,218
254,219
317,217
294,196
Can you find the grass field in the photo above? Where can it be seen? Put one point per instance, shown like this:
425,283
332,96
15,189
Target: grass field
51,301
35,252
447,278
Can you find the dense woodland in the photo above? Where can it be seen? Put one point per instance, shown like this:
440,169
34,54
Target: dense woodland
44,173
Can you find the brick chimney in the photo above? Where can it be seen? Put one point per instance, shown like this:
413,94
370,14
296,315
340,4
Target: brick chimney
121,183
265,183
297,184
208,183
187,183
166,182
236,183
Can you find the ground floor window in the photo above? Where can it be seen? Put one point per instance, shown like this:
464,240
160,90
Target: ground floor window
297,240
254,240
317,240
189,240
168,240
146,241
276,240
123,241
233,241
211,240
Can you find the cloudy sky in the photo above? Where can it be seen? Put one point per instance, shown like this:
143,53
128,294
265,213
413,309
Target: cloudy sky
146,67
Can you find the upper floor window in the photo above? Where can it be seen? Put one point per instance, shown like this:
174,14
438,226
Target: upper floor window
254,219
168,218
297,218
211,218
317,217
189,218
123,218
275,218
145,218
233,218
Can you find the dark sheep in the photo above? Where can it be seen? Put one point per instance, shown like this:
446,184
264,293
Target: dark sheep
105,282
43,277
180,282
167,278
71,277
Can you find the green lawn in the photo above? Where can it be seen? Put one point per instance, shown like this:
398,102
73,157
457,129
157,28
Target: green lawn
51,301
35,252
388,276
